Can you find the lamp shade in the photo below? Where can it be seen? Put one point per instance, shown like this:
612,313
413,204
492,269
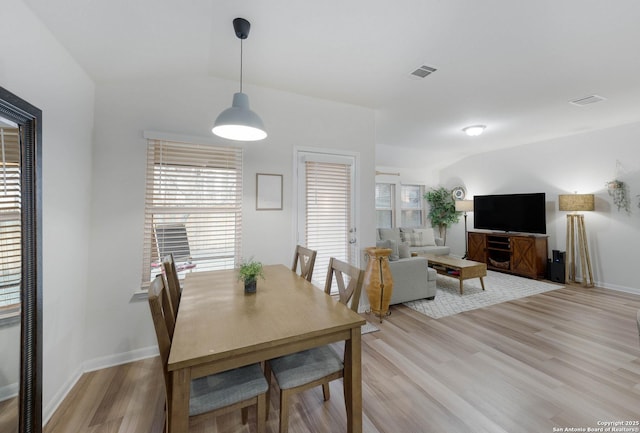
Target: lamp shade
464,205
238,122
576,202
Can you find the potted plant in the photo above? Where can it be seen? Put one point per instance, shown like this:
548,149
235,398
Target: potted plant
618,190
248,272
442,210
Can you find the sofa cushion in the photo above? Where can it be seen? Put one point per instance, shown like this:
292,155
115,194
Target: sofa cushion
436,250
393,246
428,237
420,237
390,234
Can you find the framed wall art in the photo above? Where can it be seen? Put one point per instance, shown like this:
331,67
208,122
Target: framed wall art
268,191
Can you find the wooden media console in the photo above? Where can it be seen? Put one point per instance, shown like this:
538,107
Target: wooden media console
515,253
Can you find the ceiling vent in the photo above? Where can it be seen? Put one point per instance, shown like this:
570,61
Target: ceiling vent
587,100
423,71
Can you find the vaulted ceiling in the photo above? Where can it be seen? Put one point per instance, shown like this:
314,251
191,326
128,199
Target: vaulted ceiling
511,65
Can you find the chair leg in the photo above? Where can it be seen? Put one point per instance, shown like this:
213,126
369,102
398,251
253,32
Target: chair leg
261,416
245,414
284,410
267,375
325,391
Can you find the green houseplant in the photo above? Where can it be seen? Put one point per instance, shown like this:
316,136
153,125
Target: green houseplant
442,210
618,190
249,272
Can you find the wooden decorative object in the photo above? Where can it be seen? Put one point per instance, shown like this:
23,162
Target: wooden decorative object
378,281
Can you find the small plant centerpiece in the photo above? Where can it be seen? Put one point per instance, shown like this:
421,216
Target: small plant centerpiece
249,272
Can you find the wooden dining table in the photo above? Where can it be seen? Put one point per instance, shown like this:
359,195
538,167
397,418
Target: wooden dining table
219,327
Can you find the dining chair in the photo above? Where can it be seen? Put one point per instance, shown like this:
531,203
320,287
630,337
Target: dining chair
173,283
307,259
320,365
215,394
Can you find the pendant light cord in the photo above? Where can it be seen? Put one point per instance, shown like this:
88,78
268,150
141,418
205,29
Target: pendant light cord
240,65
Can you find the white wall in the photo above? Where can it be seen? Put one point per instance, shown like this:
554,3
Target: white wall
581,163
37,69
118,326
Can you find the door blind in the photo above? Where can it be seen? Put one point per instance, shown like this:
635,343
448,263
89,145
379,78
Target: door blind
10,218
328,214
193,207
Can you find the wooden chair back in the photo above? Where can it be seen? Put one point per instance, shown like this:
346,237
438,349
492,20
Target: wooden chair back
173,282
349,292
307,259
163,322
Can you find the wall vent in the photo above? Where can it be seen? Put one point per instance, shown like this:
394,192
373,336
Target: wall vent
592,99
423,71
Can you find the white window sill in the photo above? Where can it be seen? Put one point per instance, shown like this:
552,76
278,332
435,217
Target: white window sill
9,317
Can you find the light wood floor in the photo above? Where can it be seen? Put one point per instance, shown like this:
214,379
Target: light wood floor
566,358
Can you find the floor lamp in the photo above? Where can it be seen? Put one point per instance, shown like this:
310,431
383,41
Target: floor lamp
465,206
575,229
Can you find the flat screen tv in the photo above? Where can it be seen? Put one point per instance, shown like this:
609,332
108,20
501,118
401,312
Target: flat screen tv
523,213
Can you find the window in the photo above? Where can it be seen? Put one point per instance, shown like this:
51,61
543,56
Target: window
10,219
385,203
193,207
411,207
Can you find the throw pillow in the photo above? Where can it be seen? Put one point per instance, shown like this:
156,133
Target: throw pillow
393,246
404,251
427,237
405,234
414,239
390,234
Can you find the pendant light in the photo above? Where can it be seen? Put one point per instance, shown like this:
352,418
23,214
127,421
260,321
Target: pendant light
474,131
238,122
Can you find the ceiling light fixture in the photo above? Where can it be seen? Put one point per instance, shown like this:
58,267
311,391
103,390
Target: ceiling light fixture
238,122
475,130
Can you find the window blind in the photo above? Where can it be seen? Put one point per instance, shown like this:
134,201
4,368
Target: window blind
10,219
328,214
193,207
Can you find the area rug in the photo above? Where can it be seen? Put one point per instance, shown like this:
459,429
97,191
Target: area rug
499,288
368,327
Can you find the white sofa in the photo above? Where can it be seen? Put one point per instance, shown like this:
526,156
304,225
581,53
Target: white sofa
398,235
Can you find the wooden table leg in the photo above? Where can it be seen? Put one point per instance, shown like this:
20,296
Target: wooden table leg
482,282
178,406
461,289
353,381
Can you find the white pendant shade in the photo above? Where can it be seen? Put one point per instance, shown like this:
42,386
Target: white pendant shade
238,122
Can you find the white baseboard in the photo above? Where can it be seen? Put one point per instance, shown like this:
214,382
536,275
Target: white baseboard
120,358
618,288
50,408
88,366
9,391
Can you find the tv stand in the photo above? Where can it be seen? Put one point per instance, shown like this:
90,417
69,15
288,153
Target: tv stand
520,254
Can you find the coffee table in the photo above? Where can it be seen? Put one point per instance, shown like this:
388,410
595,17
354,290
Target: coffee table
459,269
